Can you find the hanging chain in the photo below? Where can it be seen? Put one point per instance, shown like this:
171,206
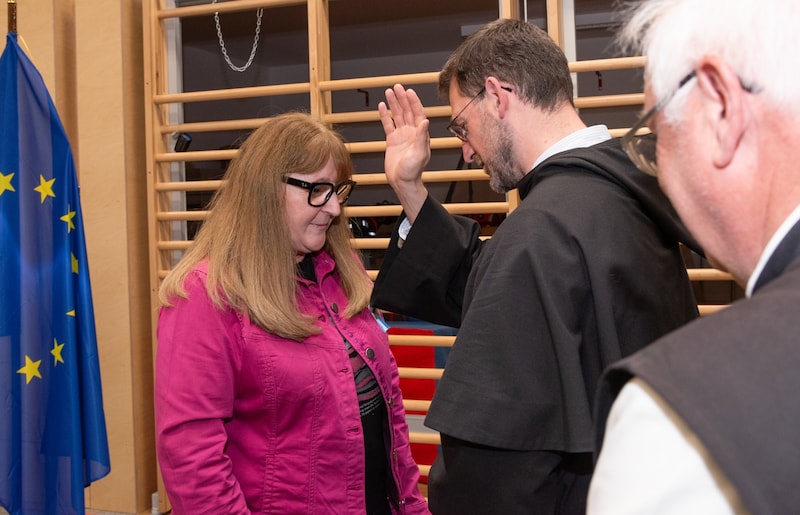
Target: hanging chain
222,41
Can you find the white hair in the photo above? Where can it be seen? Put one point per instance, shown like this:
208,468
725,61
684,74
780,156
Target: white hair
758,38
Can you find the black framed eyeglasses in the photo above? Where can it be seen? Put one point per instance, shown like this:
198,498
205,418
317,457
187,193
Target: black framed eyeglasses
641,149
460,130
319,193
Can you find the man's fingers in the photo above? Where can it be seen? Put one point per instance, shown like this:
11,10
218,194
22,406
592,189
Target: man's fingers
394,105
386,118
417,109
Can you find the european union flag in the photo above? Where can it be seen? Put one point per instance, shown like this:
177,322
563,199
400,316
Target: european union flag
53,439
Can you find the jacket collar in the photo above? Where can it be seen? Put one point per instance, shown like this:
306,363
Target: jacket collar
786,251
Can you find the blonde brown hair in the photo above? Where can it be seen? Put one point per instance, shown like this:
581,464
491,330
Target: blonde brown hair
251,262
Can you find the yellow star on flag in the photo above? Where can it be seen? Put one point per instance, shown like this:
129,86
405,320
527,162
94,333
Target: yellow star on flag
74,263
71,313
56,352
68,219
45,187
31,369
5,183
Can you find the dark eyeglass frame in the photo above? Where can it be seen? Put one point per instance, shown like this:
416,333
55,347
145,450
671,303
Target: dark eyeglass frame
343,189
459,130
641,149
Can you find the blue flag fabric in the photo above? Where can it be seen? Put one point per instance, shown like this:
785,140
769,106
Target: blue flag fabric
53,440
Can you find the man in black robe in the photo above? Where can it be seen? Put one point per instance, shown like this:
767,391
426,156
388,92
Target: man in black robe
584,272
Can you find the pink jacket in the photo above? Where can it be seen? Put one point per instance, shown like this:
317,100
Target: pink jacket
248,422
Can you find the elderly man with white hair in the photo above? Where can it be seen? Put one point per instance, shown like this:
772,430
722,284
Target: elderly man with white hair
706,419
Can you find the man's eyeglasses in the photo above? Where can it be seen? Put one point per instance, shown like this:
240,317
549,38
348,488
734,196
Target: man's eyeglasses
459,130
641,149
320,192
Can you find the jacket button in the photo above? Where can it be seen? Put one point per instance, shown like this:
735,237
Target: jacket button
370,353
334,308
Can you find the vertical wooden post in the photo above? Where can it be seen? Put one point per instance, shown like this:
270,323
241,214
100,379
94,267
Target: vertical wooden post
319,56
510,9
555,13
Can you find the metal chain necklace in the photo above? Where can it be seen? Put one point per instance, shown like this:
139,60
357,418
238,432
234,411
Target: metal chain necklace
222,41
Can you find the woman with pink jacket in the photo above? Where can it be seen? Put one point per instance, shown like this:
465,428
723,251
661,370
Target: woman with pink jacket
276,391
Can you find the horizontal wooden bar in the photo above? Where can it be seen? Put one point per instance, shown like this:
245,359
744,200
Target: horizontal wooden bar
416,405
225,7
373,116
371,179
420,437
420,372
370,243
421,340
233,93
214,126
708,309
708,274
628,99
616,63
465,208
363,179
382,81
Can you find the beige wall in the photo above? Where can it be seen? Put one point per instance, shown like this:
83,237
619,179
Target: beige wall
90,55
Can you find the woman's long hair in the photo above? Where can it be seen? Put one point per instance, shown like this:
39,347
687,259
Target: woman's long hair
251,261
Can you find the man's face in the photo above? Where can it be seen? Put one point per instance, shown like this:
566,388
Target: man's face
674,160
686,175
498,161
489,140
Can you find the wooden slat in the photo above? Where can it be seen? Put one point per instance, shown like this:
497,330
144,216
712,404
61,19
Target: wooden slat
466,208
233,93
222,7
708,274
708,309
617,63
630,99
416,405
383,81
420,437
420,372
421,340
364,179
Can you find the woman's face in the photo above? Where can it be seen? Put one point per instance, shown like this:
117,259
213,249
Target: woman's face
308,225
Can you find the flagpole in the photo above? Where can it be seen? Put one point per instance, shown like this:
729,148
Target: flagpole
12,15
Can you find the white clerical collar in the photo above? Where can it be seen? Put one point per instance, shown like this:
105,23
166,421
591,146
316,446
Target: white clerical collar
773,243
579,139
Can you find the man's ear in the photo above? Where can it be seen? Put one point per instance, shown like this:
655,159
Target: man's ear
726,101
498,94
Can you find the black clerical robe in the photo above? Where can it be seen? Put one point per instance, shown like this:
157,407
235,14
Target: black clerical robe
584,272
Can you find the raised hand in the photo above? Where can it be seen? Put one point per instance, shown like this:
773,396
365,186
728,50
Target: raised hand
407,146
